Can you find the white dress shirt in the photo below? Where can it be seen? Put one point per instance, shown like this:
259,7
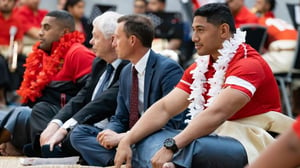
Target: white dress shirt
140,66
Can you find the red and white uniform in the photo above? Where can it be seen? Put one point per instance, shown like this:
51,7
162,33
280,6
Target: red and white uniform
277,28
249,74
244,16
281,43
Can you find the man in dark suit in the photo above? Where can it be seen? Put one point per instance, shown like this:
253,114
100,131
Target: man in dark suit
95,102
156,75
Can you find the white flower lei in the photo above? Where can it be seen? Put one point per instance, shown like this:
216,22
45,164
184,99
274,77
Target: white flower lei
227,52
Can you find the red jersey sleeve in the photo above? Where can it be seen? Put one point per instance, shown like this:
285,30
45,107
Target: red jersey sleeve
245,75
296,127
187,80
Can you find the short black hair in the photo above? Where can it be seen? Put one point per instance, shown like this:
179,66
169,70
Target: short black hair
140,26
64,18
217,14
71,3
272,4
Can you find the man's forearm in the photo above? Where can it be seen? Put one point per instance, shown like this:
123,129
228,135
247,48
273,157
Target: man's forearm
145,127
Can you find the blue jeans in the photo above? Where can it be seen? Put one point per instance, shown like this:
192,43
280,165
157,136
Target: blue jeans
84,139
16,122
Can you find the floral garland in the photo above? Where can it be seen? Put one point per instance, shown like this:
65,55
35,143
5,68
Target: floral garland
227,53
40,67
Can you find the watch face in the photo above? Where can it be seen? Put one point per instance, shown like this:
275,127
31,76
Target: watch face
169,142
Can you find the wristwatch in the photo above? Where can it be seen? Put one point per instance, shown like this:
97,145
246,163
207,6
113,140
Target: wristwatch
170,144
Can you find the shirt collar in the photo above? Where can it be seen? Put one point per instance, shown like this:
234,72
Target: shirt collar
141,65
116,63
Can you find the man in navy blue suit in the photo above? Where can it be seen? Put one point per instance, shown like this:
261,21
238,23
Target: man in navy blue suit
156,76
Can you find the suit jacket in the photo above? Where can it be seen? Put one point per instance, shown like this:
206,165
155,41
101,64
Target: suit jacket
161,76
82,109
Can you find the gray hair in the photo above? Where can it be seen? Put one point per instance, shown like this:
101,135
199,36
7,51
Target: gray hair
107,23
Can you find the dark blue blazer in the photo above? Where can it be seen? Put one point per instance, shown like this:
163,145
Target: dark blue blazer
161,76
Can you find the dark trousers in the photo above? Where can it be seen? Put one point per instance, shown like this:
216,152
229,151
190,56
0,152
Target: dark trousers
11,80
16,122
42,113
5,78
65,150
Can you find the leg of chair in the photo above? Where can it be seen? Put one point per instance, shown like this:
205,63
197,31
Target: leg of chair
285,96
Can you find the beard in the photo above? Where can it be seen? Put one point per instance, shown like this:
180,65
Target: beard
5,11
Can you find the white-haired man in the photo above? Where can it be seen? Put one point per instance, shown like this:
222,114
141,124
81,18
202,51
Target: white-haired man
97,100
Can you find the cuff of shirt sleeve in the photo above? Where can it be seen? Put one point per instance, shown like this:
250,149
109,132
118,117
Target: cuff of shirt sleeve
58,122
70,123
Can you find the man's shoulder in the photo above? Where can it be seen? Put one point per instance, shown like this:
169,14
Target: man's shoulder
251,62
162,60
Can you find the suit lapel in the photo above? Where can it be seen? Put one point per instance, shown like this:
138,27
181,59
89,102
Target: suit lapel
97,71
118,71
150,70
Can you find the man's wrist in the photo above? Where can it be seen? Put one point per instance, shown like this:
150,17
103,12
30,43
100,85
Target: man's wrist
57,121
70,124
170,144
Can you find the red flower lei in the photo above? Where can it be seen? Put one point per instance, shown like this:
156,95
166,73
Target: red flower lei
40,67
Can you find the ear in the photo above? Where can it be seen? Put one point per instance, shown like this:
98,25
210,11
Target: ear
224,30
132,40
113,38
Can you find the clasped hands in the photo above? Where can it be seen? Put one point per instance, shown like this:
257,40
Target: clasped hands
53,135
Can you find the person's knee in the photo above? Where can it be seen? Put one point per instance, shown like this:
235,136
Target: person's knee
39,108
217,151
75,135
42,113
25,113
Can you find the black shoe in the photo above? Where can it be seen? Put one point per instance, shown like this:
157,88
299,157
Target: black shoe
57,152
30,152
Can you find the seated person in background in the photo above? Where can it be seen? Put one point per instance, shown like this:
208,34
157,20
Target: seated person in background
11,27
140,6
56,70
282,37
281,43
241,13
94,103
76,9
225,90
284,152
147,78
175,38
31,17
